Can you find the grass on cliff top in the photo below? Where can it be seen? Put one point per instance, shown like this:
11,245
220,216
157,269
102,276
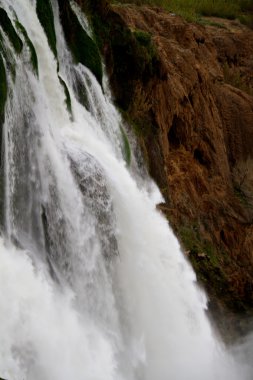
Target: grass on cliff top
192,10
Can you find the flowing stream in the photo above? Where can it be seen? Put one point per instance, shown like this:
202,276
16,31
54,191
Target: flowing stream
93,283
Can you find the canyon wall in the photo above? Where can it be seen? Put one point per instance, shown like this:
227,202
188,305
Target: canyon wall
186,89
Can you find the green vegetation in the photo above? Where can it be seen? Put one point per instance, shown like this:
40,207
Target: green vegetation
143,38
126,147
34,59
192,10
83,48
246,19
101,29
203,21
196,247
145,43
146,52
45,15
132,52
8,28
67,95
233,77
204,258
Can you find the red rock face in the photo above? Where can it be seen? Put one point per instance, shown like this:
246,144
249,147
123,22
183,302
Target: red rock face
198,107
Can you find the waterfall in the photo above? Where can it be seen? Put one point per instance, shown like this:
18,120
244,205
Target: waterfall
93,283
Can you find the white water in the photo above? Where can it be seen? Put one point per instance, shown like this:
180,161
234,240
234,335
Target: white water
96,287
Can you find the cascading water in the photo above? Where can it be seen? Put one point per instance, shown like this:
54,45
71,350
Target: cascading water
93,283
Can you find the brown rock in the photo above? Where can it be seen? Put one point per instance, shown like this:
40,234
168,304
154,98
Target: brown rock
200,144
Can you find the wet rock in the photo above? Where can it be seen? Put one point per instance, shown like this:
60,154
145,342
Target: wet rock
195,125
96,196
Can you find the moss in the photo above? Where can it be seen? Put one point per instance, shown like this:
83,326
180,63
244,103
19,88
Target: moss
67,95
101,30
143,38
147,49
7,26
46,17
34,58
195,245
126,147
83,48
131,54
140,50
209,265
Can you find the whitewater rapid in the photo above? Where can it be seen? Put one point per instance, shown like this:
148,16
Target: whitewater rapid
93,283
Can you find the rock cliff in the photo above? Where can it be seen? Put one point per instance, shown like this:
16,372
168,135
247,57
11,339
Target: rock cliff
187,90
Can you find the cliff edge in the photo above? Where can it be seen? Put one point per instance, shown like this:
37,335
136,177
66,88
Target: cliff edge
187,91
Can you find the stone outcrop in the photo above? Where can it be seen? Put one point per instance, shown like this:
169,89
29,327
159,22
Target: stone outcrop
187,90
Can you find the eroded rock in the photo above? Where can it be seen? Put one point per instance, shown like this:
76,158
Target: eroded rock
196,130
